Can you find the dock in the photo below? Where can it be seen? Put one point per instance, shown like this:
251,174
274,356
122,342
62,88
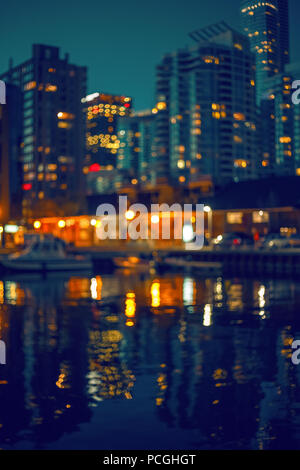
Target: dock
246,261
240,261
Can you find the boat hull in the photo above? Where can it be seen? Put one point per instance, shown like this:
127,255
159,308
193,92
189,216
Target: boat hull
206,268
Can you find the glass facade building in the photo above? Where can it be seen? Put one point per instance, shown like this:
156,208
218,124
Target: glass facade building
136,135
52,146
206,110
266,23
10,164
277,123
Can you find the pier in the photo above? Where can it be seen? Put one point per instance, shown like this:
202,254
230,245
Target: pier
235,261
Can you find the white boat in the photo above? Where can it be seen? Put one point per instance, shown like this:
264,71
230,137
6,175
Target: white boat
46,254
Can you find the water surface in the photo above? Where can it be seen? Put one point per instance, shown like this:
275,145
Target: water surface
142,362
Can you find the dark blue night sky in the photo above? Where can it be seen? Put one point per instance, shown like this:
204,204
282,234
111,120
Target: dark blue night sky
121,42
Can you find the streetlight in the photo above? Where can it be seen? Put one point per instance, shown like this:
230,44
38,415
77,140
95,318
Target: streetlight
61,224
209,213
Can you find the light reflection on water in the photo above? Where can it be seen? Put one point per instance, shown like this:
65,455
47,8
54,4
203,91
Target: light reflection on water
132,362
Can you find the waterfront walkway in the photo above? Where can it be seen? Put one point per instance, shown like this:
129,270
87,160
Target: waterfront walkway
240,260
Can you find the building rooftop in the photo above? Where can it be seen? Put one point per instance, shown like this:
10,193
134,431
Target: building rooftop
219,32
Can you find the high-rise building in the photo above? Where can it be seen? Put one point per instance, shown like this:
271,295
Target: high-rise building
277,125
281,125
10,164
293,70
206,110
266,23
102,112
52,146
136,134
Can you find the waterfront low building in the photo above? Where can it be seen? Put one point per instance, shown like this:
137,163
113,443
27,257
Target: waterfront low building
259,206
253,207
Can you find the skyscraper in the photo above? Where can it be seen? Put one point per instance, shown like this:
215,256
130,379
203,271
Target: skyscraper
52,146
293,70
281,125
266,23
206,111
101,112
10,165
267,26
136,134
277,125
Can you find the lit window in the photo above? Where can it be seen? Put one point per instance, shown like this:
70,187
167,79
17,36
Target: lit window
161,105
63,115
260,217
50,88
240,163
234,217
64,125
239,116
30,86
285,140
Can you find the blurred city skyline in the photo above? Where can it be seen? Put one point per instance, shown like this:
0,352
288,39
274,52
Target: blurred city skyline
121,44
